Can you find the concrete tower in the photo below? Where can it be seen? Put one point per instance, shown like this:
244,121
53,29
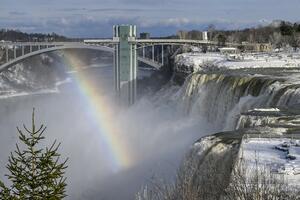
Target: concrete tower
125,63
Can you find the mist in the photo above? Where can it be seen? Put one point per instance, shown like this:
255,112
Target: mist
157,131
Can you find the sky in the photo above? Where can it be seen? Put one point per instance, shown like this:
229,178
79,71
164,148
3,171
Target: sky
95,18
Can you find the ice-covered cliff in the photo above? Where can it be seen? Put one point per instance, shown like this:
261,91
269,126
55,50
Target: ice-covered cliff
257,95
194,61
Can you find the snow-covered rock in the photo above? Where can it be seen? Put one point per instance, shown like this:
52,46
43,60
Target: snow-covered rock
281,155
195,61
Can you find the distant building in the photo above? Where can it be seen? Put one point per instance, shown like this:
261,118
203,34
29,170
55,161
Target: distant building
182,34
194,35
263,47
144,35
256,47
204,35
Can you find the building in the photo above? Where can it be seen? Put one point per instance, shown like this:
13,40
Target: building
193,35
182,34
262,47
256,47
144,35
204,35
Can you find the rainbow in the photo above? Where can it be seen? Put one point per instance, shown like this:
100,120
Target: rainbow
99,108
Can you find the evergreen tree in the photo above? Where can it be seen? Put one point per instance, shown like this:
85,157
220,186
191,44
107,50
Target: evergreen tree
286,29
35,173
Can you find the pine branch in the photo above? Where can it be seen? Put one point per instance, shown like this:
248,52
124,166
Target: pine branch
35,173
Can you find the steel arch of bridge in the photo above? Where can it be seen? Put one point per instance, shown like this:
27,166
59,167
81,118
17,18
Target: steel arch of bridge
24,56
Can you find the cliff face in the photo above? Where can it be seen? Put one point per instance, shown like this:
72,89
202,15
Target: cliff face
250,98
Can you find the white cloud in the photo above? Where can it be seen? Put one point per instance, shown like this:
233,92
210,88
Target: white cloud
87,18
64,21
175,22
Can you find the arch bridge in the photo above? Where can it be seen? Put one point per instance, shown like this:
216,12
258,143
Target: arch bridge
124,45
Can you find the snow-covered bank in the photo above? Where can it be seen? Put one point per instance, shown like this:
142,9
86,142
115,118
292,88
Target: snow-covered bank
275,154
193,62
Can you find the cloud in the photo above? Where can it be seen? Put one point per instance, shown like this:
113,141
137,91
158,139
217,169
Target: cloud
119,10
91,26
175,22
17,13
90,18
115,9
71,9
156,3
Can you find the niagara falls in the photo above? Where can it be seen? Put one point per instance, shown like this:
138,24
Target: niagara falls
149,100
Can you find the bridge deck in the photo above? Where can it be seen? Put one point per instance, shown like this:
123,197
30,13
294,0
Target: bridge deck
115,41
39,43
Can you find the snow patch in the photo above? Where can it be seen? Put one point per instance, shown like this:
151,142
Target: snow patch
281,155
195,61
266,109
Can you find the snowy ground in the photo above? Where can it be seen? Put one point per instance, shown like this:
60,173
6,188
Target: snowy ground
273,153
199,61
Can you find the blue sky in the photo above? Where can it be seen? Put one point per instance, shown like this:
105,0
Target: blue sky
94,18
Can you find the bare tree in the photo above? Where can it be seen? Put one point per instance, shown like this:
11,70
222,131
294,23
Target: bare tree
208,178
199,177
258,183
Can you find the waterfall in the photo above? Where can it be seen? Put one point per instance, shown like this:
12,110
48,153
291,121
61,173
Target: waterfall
223,98
238,106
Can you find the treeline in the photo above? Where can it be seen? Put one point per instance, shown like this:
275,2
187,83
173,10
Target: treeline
18,36
278,33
